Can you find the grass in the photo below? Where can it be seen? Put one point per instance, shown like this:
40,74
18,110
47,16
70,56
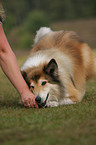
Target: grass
64,125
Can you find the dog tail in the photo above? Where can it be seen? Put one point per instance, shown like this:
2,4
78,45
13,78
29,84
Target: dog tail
40,33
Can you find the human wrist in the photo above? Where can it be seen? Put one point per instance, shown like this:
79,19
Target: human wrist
25,92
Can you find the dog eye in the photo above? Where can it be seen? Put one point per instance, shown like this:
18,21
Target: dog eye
32,87
43,83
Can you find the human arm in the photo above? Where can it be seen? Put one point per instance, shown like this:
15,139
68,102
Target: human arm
9,65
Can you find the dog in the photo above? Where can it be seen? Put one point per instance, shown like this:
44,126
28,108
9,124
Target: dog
58,67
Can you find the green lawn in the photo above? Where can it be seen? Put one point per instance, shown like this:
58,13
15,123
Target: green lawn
64,125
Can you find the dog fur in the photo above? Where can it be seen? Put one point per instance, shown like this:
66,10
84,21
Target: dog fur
58,67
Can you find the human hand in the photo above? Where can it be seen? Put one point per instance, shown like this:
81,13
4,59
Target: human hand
28,100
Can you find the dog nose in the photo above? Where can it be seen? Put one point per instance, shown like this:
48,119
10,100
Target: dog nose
38,99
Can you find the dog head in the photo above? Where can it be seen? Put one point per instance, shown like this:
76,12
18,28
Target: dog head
43,82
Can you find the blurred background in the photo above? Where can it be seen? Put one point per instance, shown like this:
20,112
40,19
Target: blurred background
25,17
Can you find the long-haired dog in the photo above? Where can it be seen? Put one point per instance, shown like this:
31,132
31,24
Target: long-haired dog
58,67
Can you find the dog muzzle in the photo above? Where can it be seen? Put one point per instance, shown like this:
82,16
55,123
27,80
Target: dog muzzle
38,101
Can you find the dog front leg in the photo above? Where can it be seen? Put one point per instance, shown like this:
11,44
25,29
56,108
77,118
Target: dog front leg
52,104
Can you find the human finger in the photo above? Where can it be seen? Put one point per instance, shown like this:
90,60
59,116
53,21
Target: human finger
25,103
30,103
35,105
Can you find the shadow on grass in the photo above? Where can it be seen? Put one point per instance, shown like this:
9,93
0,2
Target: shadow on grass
10,104
15,104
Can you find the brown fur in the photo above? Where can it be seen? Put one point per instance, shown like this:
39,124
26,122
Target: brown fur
80,55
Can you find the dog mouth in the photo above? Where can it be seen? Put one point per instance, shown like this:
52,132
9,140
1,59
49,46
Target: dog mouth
43,105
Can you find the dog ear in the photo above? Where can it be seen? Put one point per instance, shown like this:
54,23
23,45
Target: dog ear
52,68
24,74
